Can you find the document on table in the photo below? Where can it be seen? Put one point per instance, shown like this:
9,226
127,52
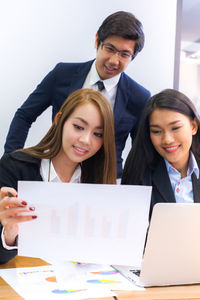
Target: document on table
88,281
41,283
85,222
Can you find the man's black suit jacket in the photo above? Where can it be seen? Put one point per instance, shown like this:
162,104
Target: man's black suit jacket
64,79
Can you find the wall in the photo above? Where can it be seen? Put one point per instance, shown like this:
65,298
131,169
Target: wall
189,80
37,34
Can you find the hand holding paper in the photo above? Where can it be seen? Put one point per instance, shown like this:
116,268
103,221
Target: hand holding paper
11,209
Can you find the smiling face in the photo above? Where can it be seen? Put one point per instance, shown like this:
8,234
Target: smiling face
171,135
109,64
82,134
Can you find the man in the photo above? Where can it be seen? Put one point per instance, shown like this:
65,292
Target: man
118,40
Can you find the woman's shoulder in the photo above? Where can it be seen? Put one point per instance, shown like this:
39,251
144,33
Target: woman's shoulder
19,156
18,166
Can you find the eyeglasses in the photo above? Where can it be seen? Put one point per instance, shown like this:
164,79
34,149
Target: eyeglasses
111,50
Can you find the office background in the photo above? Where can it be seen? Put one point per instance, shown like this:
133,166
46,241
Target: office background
190,51
37,34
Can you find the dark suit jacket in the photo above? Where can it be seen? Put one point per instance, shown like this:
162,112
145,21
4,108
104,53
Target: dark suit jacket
64,79
162,191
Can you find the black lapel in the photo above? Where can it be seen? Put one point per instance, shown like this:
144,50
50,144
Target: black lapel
161,181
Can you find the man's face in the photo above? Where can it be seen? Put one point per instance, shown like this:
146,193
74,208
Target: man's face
113,56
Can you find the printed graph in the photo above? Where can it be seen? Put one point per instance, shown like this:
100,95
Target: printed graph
106,272
57,291
102,281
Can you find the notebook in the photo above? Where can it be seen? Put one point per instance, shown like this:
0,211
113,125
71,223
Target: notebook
172,252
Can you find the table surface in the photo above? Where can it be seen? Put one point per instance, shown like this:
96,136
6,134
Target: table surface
188,292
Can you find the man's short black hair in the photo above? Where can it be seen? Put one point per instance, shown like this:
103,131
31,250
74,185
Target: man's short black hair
123,24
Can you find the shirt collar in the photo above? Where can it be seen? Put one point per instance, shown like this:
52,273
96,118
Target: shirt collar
47,171
192,166
108,83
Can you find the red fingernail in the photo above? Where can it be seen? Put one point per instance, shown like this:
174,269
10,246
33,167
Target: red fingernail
32,208
24,202
34,217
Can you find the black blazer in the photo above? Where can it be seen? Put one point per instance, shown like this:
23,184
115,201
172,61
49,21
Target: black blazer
162,191
64,79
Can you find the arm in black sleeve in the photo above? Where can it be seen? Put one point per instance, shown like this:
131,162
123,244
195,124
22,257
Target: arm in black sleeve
5,255
7,178
14,167
35,104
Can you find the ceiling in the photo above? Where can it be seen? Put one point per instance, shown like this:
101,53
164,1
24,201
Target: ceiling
191,20
190,33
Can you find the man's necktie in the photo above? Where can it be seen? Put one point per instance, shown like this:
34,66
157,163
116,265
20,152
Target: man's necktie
100,85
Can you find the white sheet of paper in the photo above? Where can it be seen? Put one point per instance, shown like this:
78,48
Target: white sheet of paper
85,222
40,283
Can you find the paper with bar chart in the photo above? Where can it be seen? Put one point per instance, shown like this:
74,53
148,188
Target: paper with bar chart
85,222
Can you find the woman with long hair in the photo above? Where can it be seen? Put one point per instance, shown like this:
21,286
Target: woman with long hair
79,147
166,152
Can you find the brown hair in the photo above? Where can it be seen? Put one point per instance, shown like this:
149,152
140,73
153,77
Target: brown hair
124,24
143,155
101,167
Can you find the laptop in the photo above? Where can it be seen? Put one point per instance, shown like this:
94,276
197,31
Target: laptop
172,252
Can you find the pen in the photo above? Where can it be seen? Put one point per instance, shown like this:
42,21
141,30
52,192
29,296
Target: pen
10,194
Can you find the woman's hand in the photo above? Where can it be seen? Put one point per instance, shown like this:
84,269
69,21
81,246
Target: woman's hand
10,209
